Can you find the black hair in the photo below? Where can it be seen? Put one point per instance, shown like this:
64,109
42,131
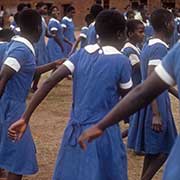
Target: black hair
40,4
95,10
21,6
109,23
29,21
132,25
16,18
51,9
89,19
69,9
6,34
159,18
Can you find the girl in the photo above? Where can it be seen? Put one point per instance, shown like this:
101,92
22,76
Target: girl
152,130
165,75
68,29
55,45
93,67
15,80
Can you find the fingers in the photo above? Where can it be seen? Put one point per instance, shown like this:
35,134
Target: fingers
157,127
81,142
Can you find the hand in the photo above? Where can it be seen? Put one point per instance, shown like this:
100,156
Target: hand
88,135
59,62
157,123
17,129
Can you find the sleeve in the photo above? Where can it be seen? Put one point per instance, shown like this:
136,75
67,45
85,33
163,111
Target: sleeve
134,59
52,26
63,23
158,53
125,76
169,68
83,33
16,59
72,61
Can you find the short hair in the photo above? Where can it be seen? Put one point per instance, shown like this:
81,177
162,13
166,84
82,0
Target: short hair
6,34
40,4
95,10
108,23
89,19
69,9
132,25
159,18
21,6
29,20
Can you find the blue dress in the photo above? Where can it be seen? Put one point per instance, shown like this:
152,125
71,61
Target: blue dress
169,72
133,53
92,37
3,48
83,35
68,25
141,137
54,50
17,157
40,47
97,75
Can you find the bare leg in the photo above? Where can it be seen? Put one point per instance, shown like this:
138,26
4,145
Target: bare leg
12,176
154,164
146,163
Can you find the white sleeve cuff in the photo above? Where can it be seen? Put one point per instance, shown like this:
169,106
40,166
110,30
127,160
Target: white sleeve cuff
83,35
134,59
53,29
127,85
12,63
63,25
154,62
164,75
69,65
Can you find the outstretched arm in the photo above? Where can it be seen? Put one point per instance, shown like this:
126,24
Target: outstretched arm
17,129
136,99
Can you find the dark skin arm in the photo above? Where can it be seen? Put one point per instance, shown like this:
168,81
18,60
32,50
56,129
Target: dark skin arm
156,119
47,67
134,101
174,92
5,74
17,129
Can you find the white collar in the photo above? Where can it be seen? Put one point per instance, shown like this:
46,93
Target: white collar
55,20
84,28
92,24
24,41
107,50
130,45
67,18
18,29
156,40
2,42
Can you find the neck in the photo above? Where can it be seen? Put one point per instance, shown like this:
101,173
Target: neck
29,38
132,41
114,43
161,36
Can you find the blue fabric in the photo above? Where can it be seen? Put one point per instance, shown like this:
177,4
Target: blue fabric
41,49
149,32
83,35
97,76
18,158
54,50
68,33
92,36
171,64
136,73
3,48
141,137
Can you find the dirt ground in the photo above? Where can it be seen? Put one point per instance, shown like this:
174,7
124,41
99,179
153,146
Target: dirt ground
48,123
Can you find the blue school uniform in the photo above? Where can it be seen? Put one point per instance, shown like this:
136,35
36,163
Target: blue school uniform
69,28
92,37
169,72
40,47
133,53
83,36
141,136
17,157
54,50
97,75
